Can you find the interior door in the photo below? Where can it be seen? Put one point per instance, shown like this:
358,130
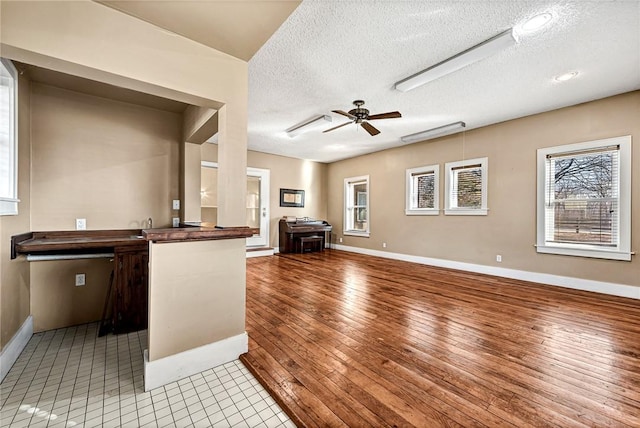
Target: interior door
257,206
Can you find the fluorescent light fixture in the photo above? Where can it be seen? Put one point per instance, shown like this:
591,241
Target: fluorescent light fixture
461,60
308,125
435,132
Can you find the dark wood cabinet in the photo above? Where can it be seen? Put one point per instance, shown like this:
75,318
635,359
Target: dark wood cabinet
130,304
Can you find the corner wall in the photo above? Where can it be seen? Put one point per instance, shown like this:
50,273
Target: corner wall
510,227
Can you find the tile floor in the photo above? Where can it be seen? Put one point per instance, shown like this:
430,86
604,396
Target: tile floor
72,378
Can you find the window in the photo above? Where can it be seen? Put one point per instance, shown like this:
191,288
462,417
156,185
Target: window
466,187
8,138
356,206
584,199
422,190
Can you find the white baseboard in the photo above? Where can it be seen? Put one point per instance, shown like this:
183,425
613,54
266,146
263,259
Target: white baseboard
184,364
16,345
611,288
260,253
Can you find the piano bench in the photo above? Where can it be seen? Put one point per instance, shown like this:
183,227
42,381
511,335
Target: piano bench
314,241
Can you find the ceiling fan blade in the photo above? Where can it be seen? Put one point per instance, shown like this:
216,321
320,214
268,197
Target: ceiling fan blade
389,115
370,128
344,113
336,127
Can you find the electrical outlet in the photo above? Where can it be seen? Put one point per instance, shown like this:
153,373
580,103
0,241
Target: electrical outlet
384,245
176,204
176,222
340,240
81,224
80,279
499,258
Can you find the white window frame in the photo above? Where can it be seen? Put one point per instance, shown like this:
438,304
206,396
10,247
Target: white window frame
410,204
623,250
349,209
9,203
450,208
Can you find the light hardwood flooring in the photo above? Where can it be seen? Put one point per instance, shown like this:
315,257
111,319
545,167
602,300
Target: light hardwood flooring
341,339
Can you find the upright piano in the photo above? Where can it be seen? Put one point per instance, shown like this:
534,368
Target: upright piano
294,232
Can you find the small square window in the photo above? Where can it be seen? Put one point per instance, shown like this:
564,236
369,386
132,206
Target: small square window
422,190
356,206
466,187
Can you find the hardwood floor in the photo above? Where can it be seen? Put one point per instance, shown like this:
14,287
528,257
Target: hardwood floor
342,339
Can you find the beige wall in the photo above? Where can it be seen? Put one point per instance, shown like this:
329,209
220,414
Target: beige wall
115,164
189,305
55,300
287,173
14,274
510,227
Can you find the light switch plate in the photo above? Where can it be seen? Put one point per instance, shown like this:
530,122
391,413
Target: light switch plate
80,279
176,222
81,224
176,204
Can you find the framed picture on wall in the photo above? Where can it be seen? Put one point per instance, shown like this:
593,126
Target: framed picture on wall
291,198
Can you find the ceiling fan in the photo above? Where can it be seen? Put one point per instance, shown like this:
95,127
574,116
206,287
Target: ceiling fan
360,115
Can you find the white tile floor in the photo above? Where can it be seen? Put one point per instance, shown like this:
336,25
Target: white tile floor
72,378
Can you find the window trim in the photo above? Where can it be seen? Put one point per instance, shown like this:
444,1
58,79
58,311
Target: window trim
346,215
9,203
449,167
436,190
623,250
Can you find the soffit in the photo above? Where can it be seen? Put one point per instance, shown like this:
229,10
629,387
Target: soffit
99,89
237,28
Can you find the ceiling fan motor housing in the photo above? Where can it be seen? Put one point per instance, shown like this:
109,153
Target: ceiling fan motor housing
359,112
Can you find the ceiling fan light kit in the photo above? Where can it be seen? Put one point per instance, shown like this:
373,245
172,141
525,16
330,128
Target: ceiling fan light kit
308,125
474,54
434,132
360,116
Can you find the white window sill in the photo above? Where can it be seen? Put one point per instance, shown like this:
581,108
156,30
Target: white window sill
424,211
598,253
356,233
9,206
482,211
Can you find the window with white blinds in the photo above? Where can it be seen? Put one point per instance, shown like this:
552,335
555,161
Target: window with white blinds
422,190
466,187
356,206
8,138
582,198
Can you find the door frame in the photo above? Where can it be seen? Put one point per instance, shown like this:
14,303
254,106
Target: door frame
261,240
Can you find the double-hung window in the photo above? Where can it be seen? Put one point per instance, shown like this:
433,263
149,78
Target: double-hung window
466,187
422,190
8,138
356,206
584,199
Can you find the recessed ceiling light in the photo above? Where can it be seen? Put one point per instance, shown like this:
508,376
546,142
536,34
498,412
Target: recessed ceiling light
537,22
566,76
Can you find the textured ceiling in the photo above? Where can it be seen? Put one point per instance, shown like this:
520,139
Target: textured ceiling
329,53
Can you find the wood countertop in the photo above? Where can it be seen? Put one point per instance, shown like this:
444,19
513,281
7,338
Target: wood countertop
92,241
197,233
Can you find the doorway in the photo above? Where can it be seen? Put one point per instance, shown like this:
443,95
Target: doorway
257,201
